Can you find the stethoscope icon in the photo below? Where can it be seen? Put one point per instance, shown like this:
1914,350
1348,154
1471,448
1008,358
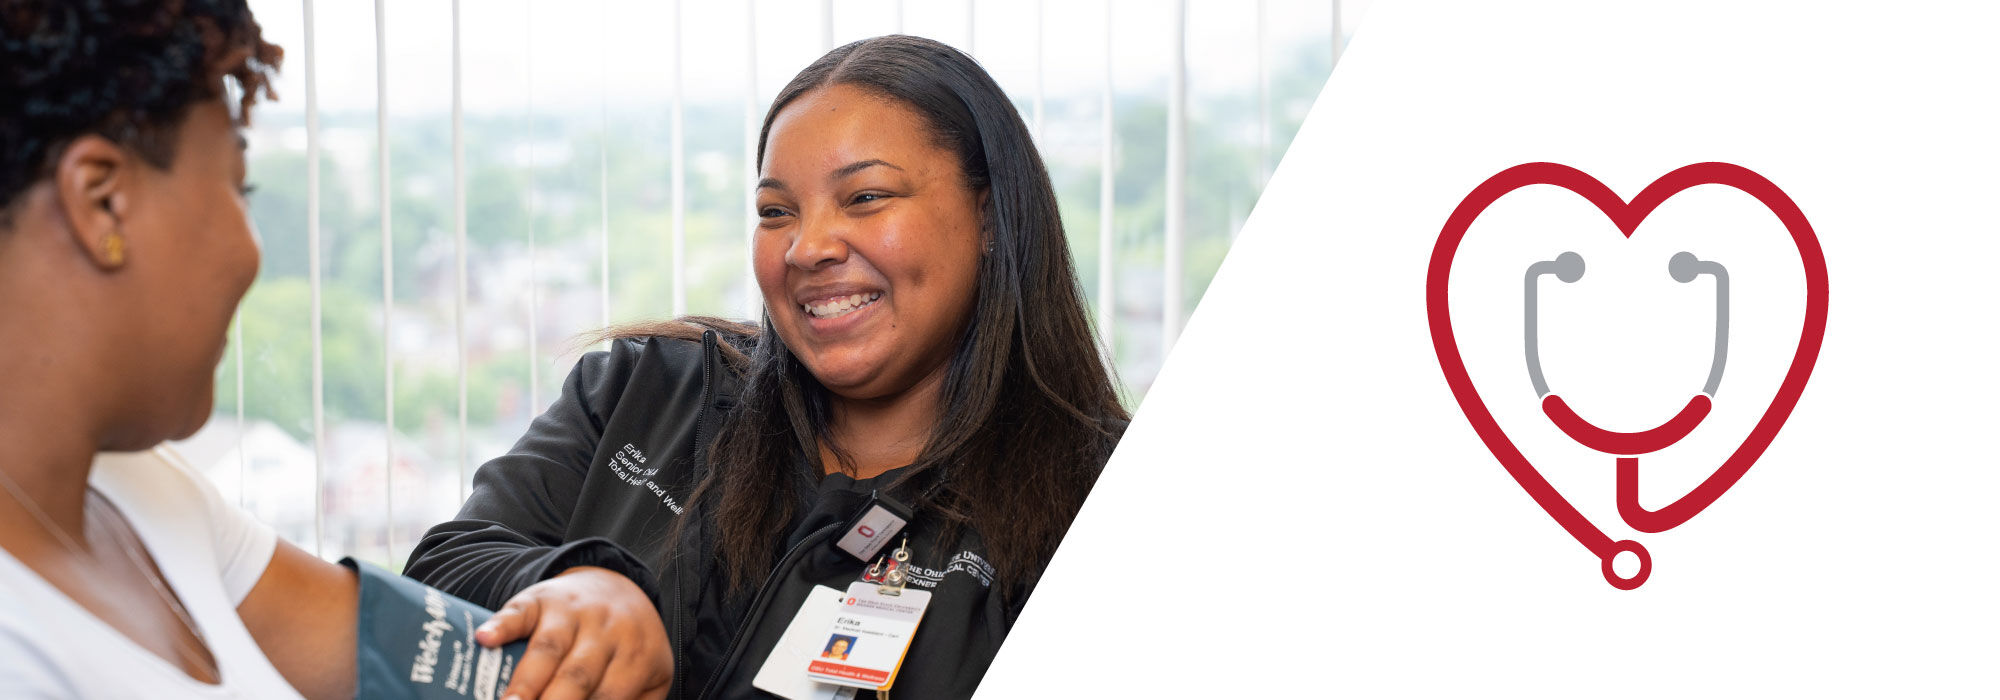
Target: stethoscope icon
1683,267
1627,215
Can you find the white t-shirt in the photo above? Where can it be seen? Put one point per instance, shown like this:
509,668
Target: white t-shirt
210,552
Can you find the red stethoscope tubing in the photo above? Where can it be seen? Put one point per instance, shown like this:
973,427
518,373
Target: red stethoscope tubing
1617,443
1628,446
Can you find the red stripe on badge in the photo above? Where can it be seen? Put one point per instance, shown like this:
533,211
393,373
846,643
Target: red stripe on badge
846,671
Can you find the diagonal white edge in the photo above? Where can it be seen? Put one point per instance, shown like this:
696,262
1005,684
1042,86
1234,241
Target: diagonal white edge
1447,611
1039,657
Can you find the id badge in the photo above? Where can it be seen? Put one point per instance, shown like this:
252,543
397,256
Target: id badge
782,674
869,636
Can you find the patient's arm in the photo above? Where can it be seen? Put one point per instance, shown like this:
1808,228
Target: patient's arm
302,612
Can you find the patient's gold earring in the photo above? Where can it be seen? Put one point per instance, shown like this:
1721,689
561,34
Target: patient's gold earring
114,249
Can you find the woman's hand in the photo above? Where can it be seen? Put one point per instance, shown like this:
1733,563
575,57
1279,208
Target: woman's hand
591,634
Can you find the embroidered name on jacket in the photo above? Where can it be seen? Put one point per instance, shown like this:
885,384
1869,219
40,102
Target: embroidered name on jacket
965,561
629,465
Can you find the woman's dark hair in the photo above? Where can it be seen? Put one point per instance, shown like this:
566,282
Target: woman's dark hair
1029,411
126,70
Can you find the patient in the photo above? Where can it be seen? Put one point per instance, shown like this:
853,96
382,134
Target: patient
124,249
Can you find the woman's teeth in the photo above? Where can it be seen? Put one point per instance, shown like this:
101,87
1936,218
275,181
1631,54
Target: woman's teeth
841,306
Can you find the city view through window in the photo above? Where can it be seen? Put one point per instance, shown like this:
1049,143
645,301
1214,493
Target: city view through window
571,207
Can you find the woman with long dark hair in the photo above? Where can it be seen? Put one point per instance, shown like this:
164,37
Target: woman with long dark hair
923,405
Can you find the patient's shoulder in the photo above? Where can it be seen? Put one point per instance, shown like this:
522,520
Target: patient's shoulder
159,470
156,487
159,492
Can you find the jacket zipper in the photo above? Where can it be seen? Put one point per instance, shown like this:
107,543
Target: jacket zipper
708,361
757,605
678,644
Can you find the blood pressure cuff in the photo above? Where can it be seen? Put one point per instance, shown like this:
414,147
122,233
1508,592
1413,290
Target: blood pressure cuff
416,643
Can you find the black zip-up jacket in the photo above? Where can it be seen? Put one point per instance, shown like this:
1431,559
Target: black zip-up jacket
602,476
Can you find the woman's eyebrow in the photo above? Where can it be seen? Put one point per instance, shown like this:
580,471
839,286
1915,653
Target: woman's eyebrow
838,173
860,165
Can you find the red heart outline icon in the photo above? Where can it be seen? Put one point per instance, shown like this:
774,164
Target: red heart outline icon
1626,216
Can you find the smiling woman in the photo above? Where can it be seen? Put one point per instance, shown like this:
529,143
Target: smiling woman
873,234
924,376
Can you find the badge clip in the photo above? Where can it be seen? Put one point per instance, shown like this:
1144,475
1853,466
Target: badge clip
890,572
873,527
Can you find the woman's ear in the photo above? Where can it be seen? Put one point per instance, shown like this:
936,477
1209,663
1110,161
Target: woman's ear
93,181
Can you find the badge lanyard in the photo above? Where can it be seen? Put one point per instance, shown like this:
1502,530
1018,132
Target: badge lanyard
840,642
870,634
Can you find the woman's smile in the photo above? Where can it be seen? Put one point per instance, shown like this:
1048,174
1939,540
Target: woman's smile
830,317
837,307
868,243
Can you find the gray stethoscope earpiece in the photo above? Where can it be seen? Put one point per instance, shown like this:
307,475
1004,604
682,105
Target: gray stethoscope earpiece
1683,267
1567,267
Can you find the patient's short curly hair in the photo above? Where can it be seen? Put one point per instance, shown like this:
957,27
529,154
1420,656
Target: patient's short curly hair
127,70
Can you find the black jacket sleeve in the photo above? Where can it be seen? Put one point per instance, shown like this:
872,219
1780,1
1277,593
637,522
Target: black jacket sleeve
510,534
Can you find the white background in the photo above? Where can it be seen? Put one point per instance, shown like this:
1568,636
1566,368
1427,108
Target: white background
1301,509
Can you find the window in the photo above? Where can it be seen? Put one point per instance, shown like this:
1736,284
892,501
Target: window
604,178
